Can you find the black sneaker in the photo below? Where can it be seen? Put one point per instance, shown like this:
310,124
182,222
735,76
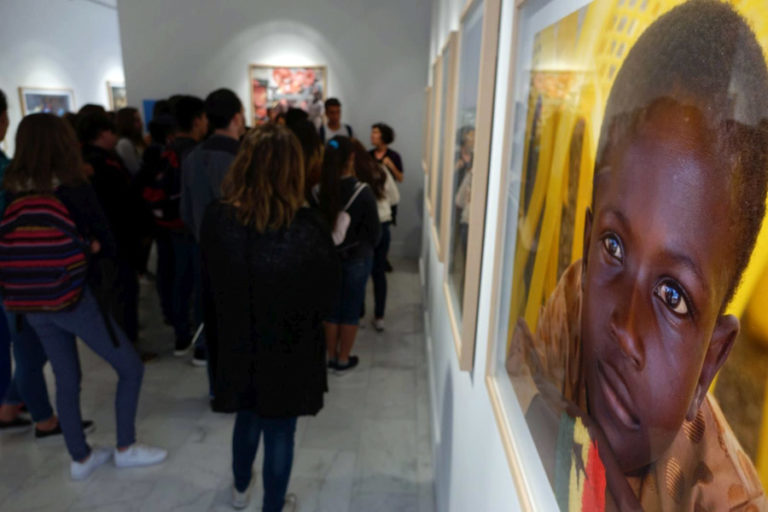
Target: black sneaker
343,368
332,363
14,426
200,358
182,347
88,427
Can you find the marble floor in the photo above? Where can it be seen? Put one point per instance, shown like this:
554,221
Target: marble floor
367,450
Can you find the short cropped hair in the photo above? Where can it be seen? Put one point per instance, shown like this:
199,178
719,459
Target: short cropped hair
186,109
387,133
221,106
702,55
332,102
93,124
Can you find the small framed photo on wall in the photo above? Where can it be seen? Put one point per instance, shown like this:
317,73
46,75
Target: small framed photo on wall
49,100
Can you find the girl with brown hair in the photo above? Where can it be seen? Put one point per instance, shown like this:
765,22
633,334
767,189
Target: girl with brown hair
271,271
350,206
385,189
130,145
47,161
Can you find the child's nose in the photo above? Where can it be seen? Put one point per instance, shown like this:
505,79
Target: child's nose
624,322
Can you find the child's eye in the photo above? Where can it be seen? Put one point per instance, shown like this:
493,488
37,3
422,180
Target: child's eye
673,297
613,247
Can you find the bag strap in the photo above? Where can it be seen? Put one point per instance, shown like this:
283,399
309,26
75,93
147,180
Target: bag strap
358,188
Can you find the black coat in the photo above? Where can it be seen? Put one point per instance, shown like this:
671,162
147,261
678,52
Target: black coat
267,296
129,218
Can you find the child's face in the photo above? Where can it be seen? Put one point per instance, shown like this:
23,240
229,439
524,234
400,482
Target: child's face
658,260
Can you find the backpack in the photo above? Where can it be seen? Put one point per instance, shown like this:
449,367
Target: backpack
43,258
343,219
161,189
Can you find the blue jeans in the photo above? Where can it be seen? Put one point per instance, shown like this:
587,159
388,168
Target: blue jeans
28,384
57,332
379,271
279,434
165,275
187,284
354,277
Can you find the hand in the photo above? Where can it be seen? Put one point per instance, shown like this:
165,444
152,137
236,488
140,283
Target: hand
95,247
388,162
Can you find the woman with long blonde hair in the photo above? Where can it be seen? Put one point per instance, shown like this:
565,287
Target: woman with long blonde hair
272,270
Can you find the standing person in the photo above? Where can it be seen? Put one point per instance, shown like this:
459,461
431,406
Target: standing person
161,130
385,190
203,173
333,127
192,124
163,194
129,220
341,196
130,143
48,162
28,385
382,135
271,361
312,149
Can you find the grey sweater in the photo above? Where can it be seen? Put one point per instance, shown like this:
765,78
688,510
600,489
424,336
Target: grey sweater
202,173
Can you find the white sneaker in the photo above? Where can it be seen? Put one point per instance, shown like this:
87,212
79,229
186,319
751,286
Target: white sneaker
139,455
291,501
240,500
378,324
82,470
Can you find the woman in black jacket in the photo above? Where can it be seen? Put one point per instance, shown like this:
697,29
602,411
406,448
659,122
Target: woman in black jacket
271,269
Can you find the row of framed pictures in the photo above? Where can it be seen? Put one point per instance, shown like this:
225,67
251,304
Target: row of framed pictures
455,157
59,101
565,56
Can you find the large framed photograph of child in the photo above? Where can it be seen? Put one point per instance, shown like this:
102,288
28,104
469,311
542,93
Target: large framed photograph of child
636,147
277,88
56,101
466,174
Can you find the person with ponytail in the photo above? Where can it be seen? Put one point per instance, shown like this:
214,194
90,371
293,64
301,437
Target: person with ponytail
349,206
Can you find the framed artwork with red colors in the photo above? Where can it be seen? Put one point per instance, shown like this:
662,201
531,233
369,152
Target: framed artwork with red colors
275,89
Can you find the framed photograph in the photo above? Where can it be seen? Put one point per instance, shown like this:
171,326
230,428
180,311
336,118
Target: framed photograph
275,89
54,101
441,146
590,86
427,129
117,98
467,162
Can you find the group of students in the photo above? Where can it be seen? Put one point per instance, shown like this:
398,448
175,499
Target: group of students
265,240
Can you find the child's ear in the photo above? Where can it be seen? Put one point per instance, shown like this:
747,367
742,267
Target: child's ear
723,338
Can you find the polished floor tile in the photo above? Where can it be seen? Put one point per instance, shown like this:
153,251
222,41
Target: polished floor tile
367,450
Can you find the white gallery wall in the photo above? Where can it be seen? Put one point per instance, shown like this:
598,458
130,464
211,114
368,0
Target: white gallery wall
471,467
376,53
72,44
